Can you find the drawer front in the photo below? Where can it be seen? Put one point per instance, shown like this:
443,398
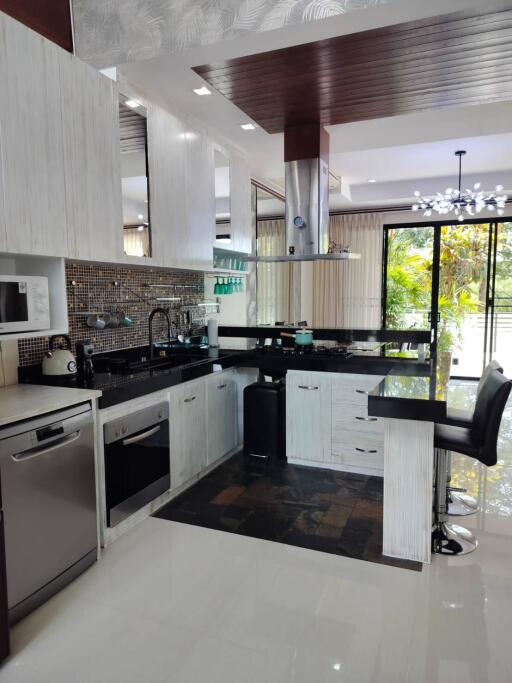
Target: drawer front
358,422
353,388
359,453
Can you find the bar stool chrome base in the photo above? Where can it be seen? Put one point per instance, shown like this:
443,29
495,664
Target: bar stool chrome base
452,539
460,504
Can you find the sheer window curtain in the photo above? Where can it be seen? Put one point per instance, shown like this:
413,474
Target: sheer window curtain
348,294
274,280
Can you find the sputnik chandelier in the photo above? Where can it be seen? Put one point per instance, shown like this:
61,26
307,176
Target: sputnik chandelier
461,201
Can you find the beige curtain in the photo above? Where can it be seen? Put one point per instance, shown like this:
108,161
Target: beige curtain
136,242
274,280
348,294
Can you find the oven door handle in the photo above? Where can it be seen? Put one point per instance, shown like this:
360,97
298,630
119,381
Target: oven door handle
140,437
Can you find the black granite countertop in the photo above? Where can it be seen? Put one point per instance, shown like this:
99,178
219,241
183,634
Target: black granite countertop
411,397
199,361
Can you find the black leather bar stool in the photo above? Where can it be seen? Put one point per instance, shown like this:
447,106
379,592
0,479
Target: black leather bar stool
459,502
478,441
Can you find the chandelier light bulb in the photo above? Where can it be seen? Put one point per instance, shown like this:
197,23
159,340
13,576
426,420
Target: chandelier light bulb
459,201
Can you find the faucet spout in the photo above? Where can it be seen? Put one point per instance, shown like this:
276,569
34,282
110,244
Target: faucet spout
154,312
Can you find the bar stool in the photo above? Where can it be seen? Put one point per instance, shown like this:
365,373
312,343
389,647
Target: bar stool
459,502
479,442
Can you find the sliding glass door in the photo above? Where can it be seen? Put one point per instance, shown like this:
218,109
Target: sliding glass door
455,280
499,301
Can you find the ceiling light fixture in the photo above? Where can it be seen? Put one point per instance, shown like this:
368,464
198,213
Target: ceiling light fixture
247,126
140,228
459,201
202,91
133,104
371,180
140,217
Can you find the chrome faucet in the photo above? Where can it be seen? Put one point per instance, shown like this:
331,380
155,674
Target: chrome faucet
150,325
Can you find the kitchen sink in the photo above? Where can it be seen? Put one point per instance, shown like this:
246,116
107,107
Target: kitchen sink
119,365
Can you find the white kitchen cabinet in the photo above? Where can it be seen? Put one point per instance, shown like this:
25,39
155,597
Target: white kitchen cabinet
221,400
241,218
200,193
181,181
188,431
31,142
91,154
308,416
327,421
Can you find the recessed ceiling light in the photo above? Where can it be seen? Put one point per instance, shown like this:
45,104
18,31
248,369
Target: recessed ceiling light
371,180
140,228
140,216
202,91
133,104
247,126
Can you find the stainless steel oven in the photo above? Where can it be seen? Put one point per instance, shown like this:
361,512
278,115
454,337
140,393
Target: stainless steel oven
137,461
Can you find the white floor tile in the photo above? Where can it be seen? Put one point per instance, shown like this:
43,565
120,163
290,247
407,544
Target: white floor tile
182,604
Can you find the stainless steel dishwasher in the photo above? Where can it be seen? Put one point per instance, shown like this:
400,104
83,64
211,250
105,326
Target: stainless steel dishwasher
49,499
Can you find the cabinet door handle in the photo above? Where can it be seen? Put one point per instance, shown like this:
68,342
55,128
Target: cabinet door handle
367,419
362,391
364,450
222,386
188,400
308,388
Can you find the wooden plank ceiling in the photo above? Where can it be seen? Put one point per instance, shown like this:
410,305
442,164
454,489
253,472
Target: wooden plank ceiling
451,60
50,18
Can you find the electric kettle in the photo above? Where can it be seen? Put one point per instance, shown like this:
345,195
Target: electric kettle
59,360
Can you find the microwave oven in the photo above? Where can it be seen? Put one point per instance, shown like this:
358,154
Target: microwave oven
24,304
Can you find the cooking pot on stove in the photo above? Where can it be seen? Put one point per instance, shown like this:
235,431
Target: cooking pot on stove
59,360
302,337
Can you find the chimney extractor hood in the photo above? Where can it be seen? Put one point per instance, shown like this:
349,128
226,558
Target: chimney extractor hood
306,154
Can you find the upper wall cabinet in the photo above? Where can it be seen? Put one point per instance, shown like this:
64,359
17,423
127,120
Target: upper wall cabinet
59,151
240,193
91,162
181,174
31,142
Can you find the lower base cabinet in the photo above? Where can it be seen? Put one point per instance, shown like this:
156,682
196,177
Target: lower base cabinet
327,421
188,432
204,424
222,416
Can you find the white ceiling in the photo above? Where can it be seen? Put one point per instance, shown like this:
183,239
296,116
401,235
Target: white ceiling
401,153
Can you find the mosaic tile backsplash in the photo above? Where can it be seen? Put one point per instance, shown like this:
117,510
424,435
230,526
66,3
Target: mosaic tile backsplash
93,288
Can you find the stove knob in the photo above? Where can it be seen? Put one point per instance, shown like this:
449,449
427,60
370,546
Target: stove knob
125,430
117,434
160,414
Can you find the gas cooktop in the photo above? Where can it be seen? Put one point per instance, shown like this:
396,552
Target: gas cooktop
310,351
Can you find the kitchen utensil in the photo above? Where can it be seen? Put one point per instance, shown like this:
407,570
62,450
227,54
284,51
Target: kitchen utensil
98,321
302,337
114,320
59,360
124,320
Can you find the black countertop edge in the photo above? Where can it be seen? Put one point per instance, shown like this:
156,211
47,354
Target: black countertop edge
407,408
120,388
332,334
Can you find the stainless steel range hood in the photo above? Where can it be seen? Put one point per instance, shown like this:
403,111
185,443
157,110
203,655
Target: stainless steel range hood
307,198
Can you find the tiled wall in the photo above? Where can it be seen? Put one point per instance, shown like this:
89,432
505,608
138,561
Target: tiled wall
94,291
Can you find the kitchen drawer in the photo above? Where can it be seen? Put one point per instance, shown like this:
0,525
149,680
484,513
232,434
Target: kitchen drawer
358,423
359,453
353,388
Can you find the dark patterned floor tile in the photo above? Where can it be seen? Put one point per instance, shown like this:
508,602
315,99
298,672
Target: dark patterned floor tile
319,509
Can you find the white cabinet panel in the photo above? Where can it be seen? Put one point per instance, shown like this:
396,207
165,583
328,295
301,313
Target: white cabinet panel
92,162
200,199
241,219
222,415
167,150
188,432
181,182
31,139
308,416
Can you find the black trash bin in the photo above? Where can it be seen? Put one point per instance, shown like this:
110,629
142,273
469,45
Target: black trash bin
265,421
